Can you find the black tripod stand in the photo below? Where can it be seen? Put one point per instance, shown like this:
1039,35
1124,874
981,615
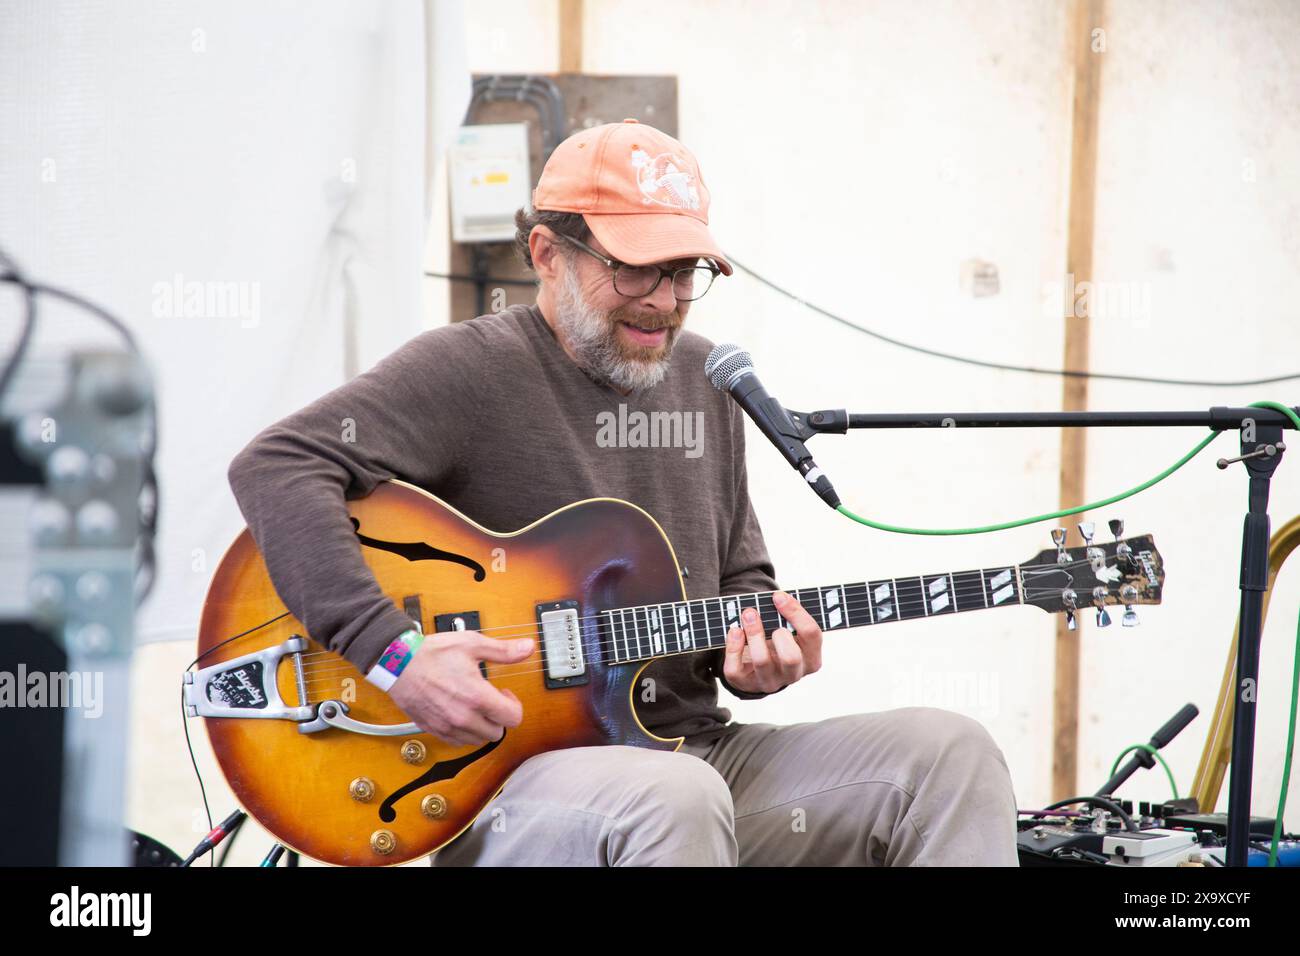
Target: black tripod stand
1261,453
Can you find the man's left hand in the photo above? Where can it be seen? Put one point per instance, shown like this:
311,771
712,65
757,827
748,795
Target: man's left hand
754,665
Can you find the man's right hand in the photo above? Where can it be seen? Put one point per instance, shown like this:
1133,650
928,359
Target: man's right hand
444,693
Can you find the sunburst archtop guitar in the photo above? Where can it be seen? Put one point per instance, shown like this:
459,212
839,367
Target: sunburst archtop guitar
334,769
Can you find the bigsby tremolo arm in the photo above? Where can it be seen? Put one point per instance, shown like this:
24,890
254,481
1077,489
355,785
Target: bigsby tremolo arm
246,687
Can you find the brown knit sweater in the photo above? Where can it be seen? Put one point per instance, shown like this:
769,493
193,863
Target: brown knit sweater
493,417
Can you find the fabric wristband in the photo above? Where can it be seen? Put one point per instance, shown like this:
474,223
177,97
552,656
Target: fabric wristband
396,656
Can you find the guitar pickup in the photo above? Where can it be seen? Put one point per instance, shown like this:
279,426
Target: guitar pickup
562,644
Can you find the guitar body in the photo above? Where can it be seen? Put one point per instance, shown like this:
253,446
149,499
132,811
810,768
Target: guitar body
303,787
333,768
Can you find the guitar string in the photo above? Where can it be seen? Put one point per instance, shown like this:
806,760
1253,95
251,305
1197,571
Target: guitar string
503,671
532,628
632,629
321,668
334,669
711,616
965,588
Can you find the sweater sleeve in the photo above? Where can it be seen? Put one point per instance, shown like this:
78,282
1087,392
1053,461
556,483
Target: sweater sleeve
404,418
747,567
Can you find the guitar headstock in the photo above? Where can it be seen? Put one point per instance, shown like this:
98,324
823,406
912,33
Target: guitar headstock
1126,572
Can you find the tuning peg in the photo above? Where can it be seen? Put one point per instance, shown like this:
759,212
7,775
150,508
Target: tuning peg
1058,538
1123,553
1099,599
1069,599
1128,596
1096,557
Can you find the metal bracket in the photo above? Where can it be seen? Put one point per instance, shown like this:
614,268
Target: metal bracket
334,713
244,687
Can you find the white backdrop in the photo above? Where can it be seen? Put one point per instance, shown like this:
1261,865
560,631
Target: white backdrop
268,162
160,155
862,154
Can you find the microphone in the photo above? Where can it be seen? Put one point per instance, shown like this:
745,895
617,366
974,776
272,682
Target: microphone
1174,726
730,369
1159,740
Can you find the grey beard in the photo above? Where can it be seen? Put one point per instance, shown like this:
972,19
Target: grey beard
593,340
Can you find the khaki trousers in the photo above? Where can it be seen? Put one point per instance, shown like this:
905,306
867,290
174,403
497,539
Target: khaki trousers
915,786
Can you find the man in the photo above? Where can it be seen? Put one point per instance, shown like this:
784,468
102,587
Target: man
499,416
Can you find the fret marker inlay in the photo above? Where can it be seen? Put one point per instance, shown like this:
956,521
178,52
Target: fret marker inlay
834,613
884,602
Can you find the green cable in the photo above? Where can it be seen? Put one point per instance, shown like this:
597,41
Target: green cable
1290,745
1044,517
879,526
1153,752
1295,678
1286,410
1295,687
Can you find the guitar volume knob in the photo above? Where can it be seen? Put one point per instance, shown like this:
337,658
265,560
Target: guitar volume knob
434,806
362,789
414,751
383,842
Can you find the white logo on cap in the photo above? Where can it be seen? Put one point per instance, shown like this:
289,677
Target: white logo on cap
665,179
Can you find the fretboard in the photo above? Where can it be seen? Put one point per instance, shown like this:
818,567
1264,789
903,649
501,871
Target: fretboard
657,630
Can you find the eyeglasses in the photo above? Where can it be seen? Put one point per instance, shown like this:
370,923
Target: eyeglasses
688,282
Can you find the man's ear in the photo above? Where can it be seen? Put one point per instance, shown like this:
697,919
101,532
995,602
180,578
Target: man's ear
544,247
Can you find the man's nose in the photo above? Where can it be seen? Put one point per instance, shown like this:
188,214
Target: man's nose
662,298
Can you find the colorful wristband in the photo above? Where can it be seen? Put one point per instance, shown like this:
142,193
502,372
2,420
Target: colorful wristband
393,661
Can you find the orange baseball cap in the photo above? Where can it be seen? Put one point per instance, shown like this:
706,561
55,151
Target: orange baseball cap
639,190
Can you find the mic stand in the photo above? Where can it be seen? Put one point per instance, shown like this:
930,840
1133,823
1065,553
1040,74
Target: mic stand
1141,758
1261,453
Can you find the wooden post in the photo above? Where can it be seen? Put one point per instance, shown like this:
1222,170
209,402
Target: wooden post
570,36
1085,17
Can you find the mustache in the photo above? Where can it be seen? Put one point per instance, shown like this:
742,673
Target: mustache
654,323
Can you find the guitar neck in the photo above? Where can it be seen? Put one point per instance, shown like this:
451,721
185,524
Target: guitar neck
657,630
